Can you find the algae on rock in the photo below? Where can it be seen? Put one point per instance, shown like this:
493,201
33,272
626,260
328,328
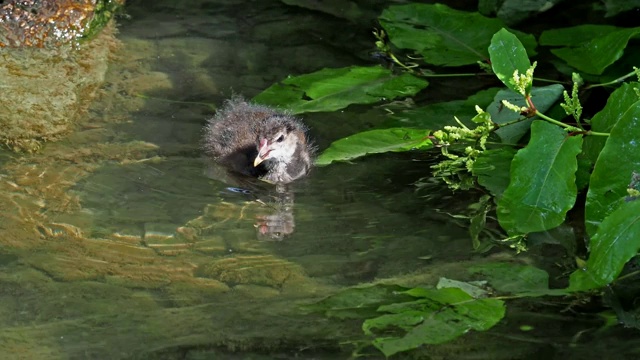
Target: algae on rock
54,59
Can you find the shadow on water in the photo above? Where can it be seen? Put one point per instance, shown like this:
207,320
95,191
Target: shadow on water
128,247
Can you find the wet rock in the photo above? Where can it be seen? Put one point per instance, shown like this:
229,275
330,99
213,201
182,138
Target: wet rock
266,270
192,292
132,234
162,238
53,23
213,245
47,77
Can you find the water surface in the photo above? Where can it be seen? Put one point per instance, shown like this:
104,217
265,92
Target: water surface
122,241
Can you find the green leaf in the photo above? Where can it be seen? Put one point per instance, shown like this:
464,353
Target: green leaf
589,48
339,8
438,115
437,316
492,167
542,187
572,35
515,11
585,165
475,289
618,103
334,89
513,278
359,303
488,7
612,172
543,98
444,36
432,116
373,142
508,55
617,6
615,243
563,235
517,279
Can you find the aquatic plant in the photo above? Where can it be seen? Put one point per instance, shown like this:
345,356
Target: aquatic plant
533,149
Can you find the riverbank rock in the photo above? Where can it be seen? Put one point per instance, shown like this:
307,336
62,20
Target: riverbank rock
54,58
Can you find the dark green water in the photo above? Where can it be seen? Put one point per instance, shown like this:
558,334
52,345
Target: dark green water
147,253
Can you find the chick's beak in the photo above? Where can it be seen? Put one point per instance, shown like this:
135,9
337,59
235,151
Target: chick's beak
263,152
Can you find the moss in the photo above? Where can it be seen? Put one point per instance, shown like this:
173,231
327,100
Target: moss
264,270
48,78
103,13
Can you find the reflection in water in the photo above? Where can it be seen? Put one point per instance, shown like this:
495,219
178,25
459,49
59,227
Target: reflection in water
277,200
280,223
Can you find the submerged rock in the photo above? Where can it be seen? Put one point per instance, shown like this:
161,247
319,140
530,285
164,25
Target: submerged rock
54,59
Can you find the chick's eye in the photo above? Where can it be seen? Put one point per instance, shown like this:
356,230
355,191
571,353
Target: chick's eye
280,138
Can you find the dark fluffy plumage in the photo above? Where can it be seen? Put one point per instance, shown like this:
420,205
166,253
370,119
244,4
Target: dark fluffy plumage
258,141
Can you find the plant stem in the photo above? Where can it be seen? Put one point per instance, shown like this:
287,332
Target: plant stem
620,79
553,121
631,274
452,75
595,133
400,63
566,126
550,81
512,122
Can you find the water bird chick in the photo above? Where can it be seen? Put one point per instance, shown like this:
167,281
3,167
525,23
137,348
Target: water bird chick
258,141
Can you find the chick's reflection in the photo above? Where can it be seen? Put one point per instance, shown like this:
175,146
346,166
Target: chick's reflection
280,221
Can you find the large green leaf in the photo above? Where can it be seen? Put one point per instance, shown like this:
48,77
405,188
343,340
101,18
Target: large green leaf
339,8
444,36
437,316
375,141
572,35
615,243
512,277
432,116
612,172
492,168
517,279
589,48
618,103
334,89
515,11
360,302
542,187
543,98
508,55
585,165
617,6
438,115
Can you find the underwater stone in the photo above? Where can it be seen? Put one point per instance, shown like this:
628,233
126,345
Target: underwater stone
265,270
47,76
